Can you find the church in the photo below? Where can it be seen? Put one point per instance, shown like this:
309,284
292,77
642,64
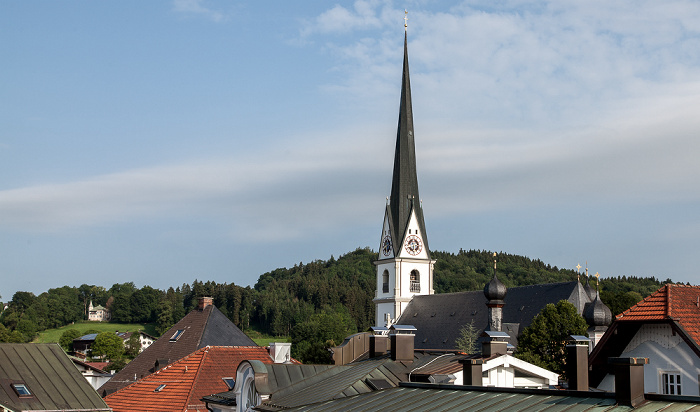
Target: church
404,276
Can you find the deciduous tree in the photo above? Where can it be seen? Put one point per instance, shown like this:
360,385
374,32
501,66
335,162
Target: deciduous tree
543,343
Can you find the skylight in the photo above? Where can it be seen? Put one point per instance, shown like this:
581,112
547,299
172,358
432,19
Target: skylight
21,389
230,382
177,335
160,388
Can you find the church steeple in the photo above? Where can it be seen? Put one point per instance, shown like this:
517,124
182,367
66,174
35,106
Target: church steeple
404,267
404,186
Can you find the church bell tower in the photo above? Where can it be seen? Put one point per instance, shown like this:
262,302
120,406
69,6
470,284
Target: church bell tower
404,267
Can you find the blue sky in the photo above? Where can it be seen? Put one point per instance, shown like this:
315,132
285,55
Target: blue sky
165,141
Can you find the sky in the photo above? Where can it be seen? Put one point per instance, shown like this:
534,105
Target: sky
161,142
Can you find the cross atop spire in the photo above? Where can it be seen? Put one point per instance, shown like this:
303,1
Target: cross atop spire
405,20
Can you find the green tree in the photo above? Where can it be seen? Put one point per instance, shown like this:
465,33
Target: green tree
543,343
468,336
108,346
312,338
133,345
66,339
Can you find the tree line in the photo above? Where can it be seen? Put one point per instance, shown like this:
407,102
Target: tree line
293,301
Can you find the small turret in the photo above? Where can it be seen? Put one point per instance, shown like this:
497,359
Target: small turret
598,316
495,291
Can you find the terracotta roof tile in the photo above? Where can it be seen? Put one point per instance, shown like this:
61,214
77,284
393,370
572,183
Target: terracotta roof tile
186,381
207,327
671,302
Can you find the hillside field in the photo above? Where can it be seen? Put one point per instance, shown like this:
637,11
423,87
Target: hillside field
53,335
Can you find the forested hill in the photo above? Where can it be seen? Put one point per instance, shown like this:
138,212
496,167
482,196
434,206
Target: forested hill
340,289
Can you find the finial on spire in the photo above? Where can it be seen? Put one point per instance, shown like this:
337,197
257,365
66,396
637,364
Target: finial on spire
578,271
405,20
597,281
494,263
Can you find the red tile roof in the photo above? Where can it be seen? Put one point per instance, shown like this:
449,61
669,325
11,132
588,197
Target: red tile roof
186,381
671,302
202,327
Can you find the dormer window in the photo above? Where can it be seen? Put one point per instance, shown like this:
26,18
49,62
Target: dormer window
21,390
177,335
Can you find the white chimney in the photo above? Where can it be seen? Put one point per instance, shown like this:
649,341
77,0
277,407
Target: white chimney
280,352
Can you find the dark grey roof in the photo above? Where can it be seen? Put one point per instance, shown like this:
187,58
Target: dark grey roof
438,318
290,385
208,327
597,314
54,382
404,185
341,381
448,398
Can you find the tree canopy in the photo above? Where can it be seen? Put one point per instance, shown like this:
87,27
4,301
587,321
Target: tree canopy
286,297
543,343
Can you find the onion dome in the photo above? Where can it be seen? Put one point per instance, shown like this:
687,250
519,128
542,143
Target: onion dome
495,291
597,313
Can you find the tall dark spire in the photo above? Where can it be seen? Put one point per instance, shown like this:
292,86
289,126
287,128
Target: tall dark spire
404,186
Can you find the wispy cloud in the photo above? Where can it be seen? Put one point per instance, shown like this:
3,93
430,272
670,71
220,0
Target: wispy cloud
264,196
198,7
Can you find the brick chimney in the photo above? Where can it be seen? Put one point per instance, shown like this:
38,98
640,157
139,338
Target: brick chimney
473,372
402,341
577,362
629,380
205,301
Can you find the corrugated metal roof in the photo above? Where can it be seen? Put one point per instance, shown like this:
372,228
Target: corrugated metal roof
439,398
54,382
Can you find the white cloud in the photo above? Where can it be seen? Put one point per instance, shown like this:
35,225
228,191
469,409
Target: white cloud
264,195
197,7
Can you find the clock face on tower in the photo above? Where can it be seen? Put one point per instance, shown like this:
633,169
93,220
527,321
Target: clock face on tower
413,245
386,245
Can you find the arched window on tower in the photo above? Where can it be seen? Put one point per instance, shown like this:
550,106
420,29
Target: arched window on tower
415,281
385,281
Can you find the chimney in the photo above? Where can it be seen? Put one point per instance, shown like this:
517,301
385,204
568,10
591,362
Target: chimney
496,343
629,380
402,340
280,352
473,372
205,301
577,362
378,341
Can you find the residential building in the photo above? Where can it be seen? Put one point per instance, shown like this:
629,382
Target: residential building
181,385
41,377
93,372
665,328
98,313
202,327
